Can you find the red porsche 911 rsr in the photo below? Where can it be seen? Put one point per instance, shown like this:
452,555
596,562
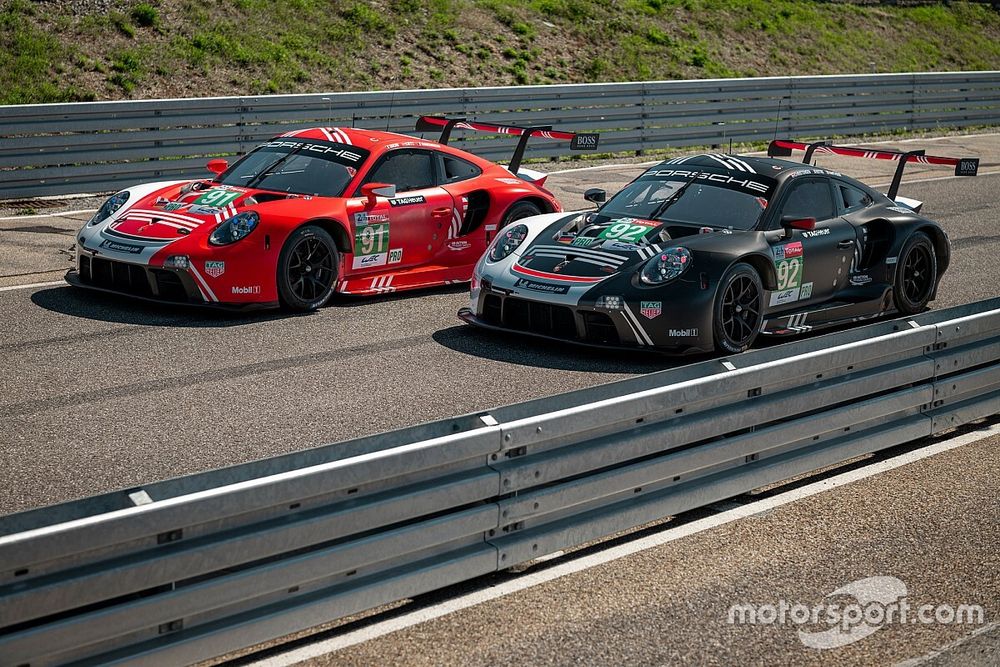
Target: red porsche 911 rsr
313,212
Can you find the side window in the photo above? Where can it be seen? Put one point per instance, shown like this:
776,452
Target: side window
852,198
407,170
455,169
809,199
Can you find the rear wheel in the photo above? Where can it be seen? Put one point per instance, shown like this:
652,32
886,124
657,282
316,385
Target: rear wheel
307,268
916,274
739,307
521,209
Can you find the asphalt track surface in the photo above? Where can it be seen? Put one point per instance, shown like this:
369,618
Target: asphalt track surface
102,393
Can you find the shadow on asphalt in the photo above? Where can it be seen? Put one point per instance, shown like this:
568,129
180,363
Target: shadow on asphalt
123,310
108,307
529,351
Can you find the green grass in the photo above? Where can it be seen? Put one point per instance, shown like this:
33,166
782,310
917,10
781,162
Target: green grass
158,48
28,58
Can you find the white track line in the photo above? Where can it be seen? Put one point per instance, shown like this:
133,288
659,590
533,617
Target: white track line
532,579
49,215
33,285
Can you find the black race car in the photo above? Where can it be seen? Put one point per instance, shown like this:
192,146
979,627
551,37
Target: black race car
709,251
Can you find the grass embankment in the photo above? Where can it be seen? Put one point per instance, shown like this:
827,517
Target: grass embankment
110,49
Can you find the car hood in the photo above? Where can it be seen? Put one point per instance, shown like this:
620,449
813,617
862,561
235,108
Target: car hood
578,247
185,209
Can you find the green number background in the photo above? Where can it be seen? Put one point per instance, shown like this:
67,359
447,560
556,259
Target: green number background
789,272
381,242
623,231
217,198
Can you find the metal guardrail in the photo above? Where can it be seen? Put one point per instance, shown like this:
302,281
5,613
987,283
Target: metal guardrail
53,149
203,565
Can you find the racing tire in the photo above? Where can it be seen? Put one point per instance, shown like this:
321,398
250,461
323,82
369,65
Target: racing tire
521,209
307,269
739,309
916,274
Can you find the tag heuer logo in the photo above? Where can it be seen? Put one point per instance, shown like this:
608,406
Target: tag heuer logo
651,309
215,269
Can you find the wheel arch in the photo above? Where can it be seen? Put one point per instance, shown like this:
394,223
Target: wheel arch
543,205
942,247
334,228
764,267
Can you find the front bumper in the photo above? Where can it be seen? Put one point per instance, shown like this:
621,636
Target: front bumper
584,324
172,286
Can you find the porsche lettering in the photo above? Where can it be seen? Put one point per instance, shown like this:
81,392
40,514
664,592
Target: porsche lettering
746,183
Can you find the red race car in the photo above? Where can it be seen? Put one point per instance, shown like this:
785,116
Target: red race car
313,212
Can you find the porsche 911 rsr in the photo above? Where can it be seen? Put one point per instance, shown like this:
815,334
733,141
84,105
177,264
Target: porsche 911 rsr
313,212
707,252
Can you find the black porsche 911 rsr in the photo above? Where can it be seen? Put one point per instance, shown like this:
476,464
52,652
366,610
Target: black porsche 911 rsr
707,252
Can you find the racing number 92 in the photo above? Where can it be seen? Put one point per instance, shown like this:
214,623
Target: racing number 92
624,231
789,273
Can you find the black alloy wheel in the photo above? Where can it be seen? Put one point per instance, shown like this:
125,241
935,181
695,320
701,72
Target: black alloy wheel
738,309
307,268
917,274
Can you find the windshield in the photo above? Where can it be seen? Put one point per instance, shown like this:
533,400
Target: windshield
711,199
318,168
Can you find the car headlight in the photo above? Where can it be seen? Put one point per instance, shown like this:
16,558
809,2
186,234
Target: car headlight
235,228
109,207
507,242
666,265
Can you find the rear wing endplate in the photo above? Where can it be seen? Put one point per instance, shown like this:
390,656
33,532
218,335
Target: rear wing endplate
578,142
965,166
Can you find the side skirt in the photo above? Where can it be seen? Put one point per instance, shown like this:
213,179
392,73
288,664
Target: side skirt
397,281
825,316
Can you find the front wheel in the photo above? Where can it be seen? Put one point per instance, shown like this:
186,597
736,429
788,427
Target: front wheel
739,307
307,268
916,274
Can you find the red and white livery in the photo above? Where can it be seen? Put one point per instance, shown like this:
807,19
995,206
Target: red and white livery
313,212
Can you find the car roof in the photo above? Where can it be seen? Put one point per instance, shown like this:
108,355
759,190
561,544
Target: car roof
354,136
377,141
739,164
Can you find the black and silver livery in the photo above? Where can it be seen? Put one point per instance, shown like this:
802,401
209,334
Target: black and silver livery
710,251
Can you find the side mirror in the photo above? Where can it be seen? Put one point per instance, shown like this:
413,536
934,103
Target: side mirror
217,166
373,190
795,222
596,195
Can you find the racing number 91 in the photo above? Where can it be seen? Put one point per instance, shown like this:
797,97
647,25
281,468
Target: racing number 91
372,239
789,273
217,197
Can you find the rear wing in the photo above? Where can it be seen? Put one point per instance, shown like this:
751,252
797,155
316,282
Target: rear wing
966,166
578,142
